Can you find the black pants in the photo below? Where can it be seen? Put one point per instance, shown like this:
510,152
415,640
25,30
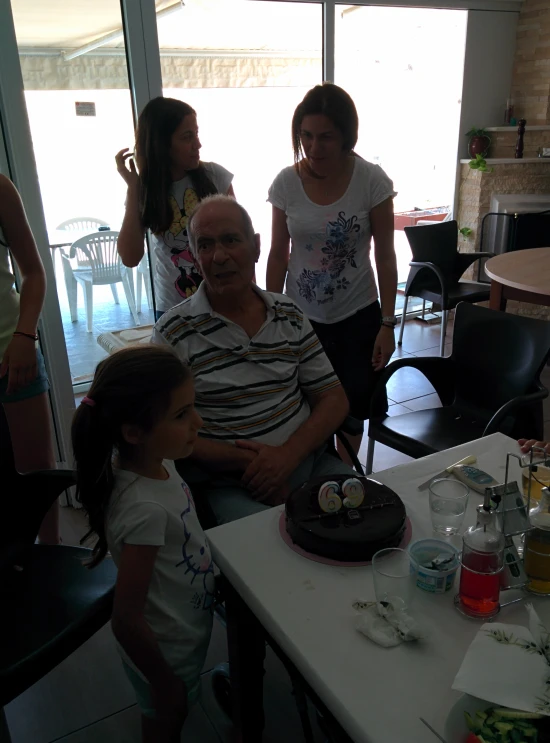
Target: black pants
349,345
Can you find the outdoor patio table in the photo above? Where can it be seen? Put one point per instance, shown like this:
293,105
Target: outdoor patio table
522,274
377,695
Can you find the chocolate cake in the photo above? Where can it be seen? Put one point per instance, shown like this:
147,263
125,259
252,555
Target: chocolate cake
322,520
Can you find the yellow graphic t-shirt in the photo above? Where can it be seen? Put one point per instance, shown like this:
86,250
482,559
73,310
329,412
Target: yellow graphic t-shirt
176,277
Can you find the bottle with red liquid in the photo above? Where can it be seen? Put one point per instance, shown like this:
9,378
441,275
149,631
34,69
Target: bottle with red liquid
482,565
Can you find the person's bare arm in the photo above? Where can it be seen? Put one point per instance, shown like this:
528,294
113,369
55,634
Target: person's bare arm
221,457
277,263
19,358
382,226
136,637
23,248
130,243
273,465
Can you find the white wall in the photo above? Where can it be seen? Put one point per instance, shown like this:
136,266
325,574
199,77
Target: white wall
489,58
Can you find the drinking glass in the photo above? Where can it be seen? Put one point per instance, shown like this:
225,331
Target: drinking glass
393,580
448,501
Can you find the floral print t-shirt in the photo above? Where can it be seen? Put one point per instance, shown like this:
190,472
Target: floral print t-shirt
176,277
330,275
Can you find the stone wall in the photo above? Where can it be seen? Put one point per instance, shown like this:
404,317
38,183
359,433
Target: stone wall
531,76
476,190
95,72
503,144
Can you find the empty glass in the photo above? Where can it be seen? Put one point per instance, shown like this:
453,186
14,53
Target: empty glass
393,580
448,502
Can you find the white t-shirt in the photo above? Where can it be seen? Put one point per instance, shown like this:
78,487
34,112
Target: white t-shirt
9,298
181,594
175,275
330,275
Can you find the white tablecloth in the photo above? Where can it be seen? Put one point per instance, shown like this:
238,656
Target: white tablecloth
377,694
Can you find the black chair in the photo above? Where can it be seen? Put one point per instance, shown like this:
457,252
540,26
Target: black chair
51,603
489,383
436,270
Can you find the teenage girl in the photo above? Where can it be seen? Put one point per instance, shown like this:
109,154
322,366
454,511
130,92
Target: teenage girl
326,209
23,380
138,417
169,182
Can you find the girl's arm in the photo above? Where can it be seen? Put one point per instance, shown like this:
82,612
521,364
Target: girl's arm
382,226
130,243
279,254
20,355
135,635
23,248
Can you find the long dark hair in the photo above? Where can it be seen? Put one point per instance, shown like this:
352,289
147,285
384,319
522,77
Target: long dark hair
156,124
133,386
331,101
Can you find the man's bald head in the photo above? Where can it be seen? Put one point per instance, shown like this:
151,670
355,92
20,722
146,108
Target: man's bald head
224,201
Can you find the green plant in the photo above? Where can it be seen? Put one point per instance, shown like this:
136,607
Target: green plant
465,232
474,132
480,163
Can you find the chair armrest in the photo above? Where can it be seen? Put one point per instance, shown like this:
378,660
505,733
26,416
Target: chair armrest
435,269
465,260
352,426
437,370
510,406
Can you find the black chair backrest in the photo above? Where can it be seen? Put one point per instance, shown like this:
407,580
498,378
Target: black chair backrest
437,243
497,356
532,231
25,501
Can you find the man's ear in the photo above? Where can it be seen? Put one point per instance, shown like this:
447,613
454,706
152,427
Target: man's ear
257,246
131,434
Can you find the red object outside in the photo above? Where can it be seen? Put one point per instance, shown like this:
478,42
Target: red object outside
410,219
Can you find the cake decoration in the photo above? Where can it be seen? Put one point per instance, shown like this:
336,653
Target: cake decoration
329,500
353,493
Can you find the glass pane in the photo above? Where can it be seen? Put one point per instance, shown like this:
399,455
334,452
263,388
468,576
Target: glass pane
80,114
244,86
404,67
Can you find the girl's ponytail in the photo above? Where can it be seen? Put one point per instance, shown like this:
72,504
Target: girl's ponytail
93,443
133,386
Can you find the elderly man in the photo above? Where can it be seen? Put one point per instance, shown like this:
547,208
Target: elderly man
267,393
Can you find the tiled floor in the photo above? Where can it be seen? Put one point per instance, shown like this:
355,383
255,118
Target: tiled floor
88,699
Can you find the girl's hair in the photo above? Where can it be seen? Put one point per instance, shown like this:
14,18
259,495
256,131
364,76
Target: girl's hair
133,386
337,105
156,124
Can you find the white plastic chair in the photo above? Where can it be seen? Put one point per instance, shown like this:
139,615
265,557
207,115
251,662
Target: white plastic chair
78,224
83,224
98,252
143,275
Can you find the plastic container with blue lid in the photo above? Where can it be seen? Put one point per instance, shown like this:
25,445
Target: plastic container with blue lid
428,579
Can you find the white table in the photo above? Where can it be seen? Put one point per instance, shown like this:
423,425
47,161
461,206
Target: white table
376,694
65,238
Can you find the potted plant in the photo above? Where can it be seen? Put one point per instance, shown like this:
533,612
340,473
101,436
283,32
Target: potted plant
479,142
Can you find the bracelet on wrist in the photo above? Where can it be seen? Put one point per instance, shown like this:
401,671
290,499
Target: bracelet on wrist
30,336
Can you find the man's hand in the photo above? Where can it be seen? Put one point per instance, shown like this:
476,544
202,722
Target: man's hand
384,346
267,475
527,444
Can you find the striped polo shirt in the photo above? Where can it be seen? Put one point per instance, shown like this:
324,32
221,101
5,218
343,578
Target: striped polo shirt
248,388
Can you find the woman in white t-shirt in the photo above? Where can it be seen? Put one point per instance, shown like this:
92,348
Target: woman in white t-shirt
326,208
171,181
139,416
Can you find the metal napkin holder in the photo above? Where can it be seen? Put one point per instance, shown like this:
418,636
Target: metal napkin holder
513,517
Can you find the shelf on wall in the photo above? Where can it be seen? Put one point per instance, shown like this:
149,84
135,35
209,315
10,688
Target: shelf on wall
510,160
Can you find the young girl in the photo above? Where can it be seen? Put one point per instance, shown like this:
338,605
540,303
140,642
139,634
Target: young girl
326,209
23,380
139,415
171,181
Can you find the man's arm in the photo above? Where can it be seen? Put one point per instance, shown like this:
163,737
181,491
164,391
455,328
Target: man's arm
267,475
328,411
